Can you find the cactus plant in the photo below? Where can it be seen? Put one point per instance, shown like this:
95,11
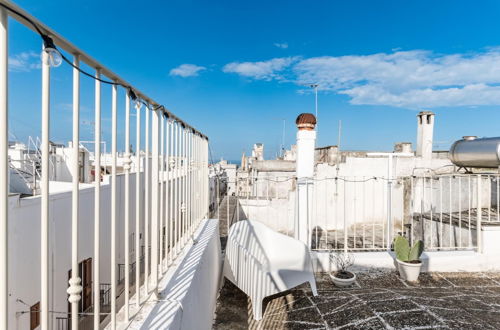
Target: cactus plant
404,252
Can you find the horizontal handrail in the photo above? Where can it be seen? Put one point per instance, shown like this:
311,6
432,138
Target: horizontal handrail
83,56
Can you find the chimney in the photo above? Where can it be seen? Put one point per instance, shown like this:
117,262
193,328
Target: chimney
306,141
425,120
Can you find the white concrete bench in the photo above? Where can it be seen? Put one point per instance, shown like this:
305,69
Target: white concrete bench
262,262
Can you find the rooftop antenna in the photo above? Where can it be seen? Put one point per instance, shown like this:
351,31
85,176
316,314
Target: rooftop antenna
282,147
315,86
338,146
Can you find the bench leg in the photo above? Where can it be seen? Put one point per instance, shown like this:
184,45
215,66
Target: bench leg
313,287
257,308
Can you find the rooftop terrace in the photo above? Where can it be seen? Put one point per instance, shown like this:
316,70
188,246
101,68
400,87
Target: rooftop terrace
378,300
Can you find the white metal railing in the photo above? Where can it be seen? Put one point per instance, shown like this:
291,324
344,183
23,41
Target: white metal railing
170,195
365,213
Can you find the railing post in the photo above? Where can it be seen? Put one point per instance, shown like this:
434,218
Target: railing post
4,168
479,215
147,204
97,202
74,283
166,160
113,205
184,186
191,186
137,204
44,228
162,177
176,189
390,226
155,200
171,233
126,167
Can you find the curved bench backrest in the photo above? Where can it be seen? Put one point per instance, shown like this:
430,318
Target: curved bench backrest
251,236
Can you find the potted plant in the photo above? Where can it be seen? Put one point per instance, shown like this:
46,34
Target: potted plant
408,259
342,277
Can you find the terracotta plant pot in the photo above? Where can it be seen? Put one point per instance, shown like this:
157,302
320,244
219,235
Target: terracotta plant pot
343,282
409,271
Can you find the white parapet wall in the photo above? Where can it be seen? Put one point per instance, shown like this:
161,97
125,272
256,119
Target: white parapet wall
188,292
434,261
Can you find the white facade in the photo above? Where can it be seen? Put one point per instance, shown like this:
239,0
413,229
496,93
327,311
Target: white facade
24,246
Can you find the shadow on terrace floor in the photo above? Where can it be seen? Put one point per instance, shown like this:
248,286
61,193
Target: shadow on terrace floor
379,300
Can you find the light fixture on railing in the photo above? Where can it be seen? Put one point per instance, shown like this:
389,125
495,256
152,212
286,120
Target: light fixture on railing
53,58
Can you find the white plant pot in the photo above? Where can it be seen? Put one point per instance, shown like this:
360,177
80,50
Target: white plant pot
343,282
408,271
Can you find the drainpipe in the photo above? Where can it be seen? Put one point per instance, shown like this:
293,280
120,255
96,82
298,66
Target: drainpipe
306,140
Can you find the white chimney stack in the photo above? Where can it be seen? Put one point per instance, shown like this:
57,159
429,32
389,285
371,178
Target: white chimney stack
306,142
425,131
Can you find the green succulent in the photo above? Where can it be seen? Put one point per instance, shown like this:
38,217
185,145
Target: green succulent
404,252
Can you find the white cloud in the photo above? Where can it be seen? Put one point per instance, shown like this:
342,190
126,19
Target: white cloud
25,62
265,70
410,79
187,70
282,45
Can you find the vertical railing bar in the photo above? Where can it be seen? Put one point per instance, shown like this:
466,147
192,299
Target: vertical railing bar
74,282
422,208
469,209
147,203
137,204
4,168
189,183
345,219
363,223
162,186
451,214
489,200
44,241
176,187
326,212
189,188
402,211
479,214
190,164
498,197
167,192
126,231
440,212
188,223
336,212
171,228
384,211
179,188
196,177
113,204
412,205
430,205
97,201
155,195
460,211
183,195
374,189
354,204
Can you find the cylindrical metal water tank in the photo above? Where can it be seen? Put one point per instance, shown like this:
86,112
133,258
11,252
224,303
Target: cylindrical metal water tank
474,152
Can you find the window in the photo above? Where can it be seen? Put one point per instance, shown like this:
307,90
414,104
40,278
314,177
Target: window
35,316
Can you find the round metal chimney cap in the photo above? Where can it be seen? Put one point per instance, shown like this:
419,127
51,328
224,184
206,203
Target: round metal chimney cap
306,121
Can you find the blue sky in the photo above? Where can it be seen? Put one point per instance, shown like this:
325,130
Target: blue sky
235,69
